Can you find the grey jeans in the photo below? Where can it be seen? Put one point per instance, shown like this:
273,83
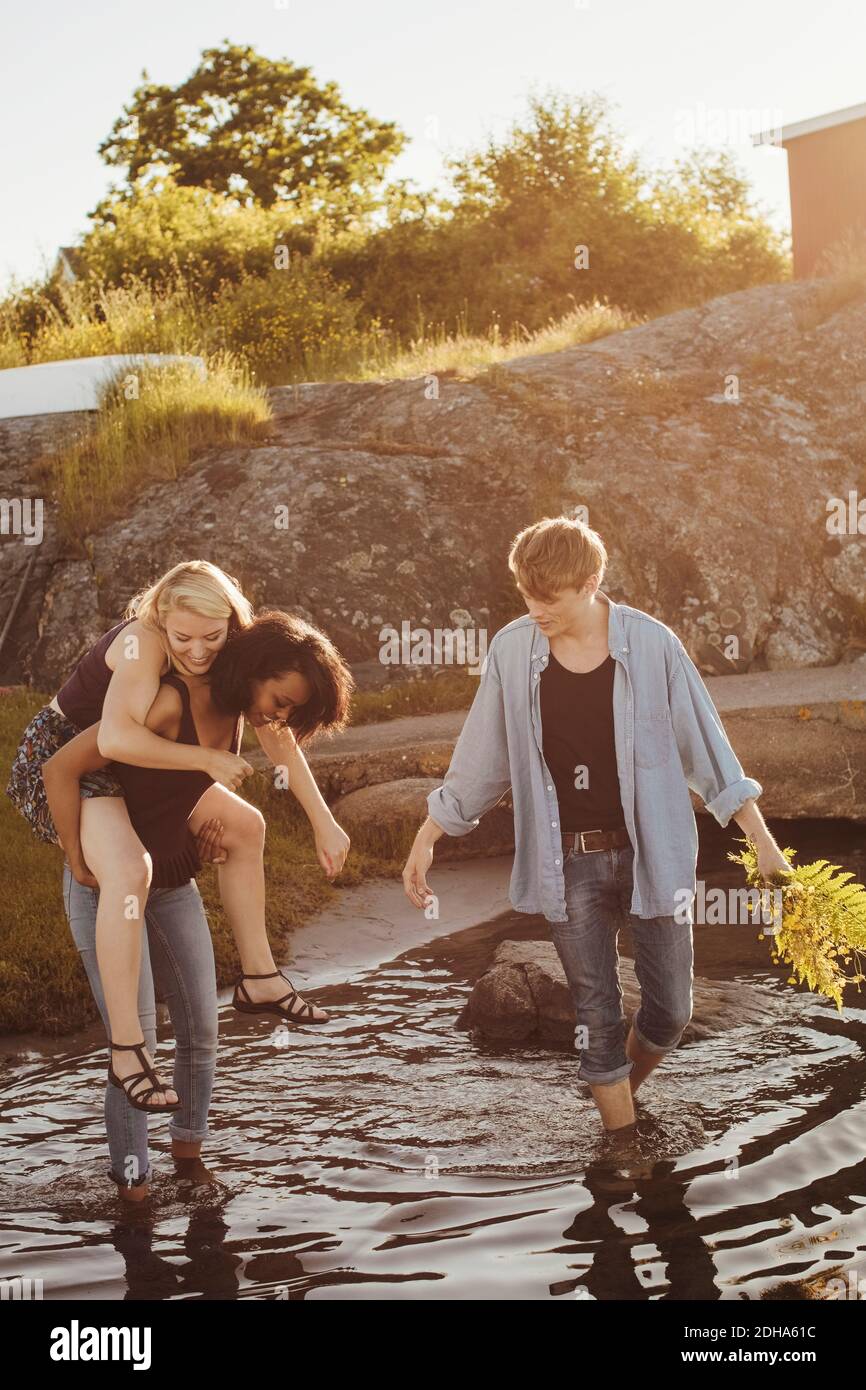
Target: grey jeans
180,963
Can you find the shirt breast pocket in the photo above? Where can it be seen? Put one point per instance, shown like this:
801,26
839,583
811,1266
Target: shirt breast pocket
653,735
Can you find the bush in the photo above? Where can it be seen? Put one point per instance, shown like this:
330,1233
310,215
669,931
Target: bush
506,249
205,238
292,324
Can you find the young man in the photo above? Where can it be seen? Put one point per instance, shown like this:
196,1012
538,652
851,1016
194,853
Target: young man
596,717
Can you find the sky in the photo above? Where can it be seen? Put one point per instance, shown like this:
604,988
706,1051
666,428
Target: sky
453,74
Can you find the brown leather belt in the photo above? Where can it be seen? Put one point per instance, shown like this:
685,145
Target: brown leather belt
590,841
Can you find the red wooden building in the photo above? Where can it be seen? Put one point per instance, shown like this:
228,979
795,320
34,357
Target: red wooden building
827,179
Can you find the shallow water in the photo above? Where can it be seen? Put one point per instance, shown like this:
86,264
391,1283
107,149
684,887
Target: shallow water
388,1155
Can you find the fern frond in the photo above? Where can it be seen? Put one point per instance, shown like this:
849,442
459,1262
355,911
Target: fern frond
823,922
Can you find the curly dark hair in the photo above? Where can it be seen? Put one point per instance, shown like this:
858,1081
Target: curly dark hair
274,644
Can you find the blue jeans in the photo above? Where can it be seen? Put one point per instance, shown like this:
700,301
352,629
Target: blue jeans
598,889
180,961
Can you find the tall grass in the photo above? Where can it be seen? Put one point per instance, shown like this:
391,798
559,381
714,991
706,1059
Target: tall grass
96,319
89,318
152,423
468,354
283,328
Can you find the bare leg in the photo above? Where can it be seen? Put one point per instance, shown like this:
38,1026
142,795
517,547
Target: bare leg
242,887
644,1062
122,868
181,1149
615,1104
188,1166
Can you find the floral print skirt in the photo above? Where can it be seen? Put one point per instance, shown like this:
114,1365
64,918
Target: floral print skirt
46,732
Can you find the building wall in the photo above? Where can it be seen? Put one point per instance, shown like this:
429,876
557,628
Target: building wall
827,174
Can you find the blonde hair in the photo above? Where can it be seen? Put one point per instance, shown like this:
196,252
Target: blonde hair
196,586
556,553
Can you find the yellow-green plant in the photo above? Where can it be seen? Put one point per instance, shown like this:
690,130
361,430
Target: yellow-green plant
152,422
821,925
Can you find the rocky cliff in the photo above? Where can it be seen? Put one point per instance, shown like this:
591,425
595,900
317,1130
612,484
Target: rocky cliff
706,446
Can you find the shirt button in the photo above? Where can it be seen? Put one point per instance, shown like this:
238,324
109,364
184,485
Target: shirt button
553,823
549,787
556,861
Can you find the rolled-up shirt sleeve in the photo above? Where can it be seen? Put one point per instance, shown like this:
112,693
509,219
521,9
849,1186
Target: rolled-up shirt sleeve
479,773
710,765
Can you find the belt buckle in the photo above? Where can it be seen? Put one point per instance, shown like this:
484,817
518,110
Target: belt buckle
583,846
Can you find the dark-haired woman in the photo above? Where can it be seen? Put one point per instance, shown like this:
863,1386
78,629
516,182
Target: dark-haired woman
177,623
285,677
288,679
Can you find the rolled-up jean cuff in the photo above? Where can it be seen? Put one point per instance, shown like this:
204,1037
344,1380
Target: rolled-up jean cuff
651,1046
188,1136
127,1182
604,1078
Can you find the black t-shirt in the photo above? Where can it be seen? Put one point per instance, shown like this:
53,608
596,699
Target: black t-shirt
578,745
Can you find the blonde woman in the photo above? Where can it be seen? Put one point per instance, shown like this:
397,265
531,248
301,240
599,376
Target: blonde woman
178,625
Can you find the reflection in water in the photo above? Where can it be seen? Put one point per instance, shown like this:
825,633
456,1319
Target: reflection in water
388,1155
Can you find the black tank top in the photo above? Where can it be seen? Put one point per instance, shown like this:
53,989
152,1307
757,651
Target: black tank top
159,801
83,695
578,745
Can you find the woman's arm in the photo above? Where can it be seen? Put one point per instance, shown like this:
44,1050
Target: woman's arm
123,733
61,773
332,842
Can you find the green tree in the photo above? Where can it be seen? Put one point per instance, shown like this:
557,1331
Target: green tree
505,245
262,130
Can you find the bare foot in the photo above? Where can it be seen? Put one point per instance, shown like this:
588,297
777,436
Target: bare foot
133,1194
264,991
191,1171
126,1063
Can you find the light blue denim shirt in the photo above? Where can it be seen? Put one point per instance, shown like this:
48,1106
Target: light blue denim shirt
668,736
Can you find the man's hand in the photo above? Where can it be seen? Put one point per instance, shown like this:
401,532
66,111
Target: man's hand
771,860
209,843
418,864
332,846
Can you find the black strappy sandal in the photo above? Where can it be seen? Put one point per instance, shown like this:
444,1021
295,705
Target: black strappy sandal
139,1101
273,1006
